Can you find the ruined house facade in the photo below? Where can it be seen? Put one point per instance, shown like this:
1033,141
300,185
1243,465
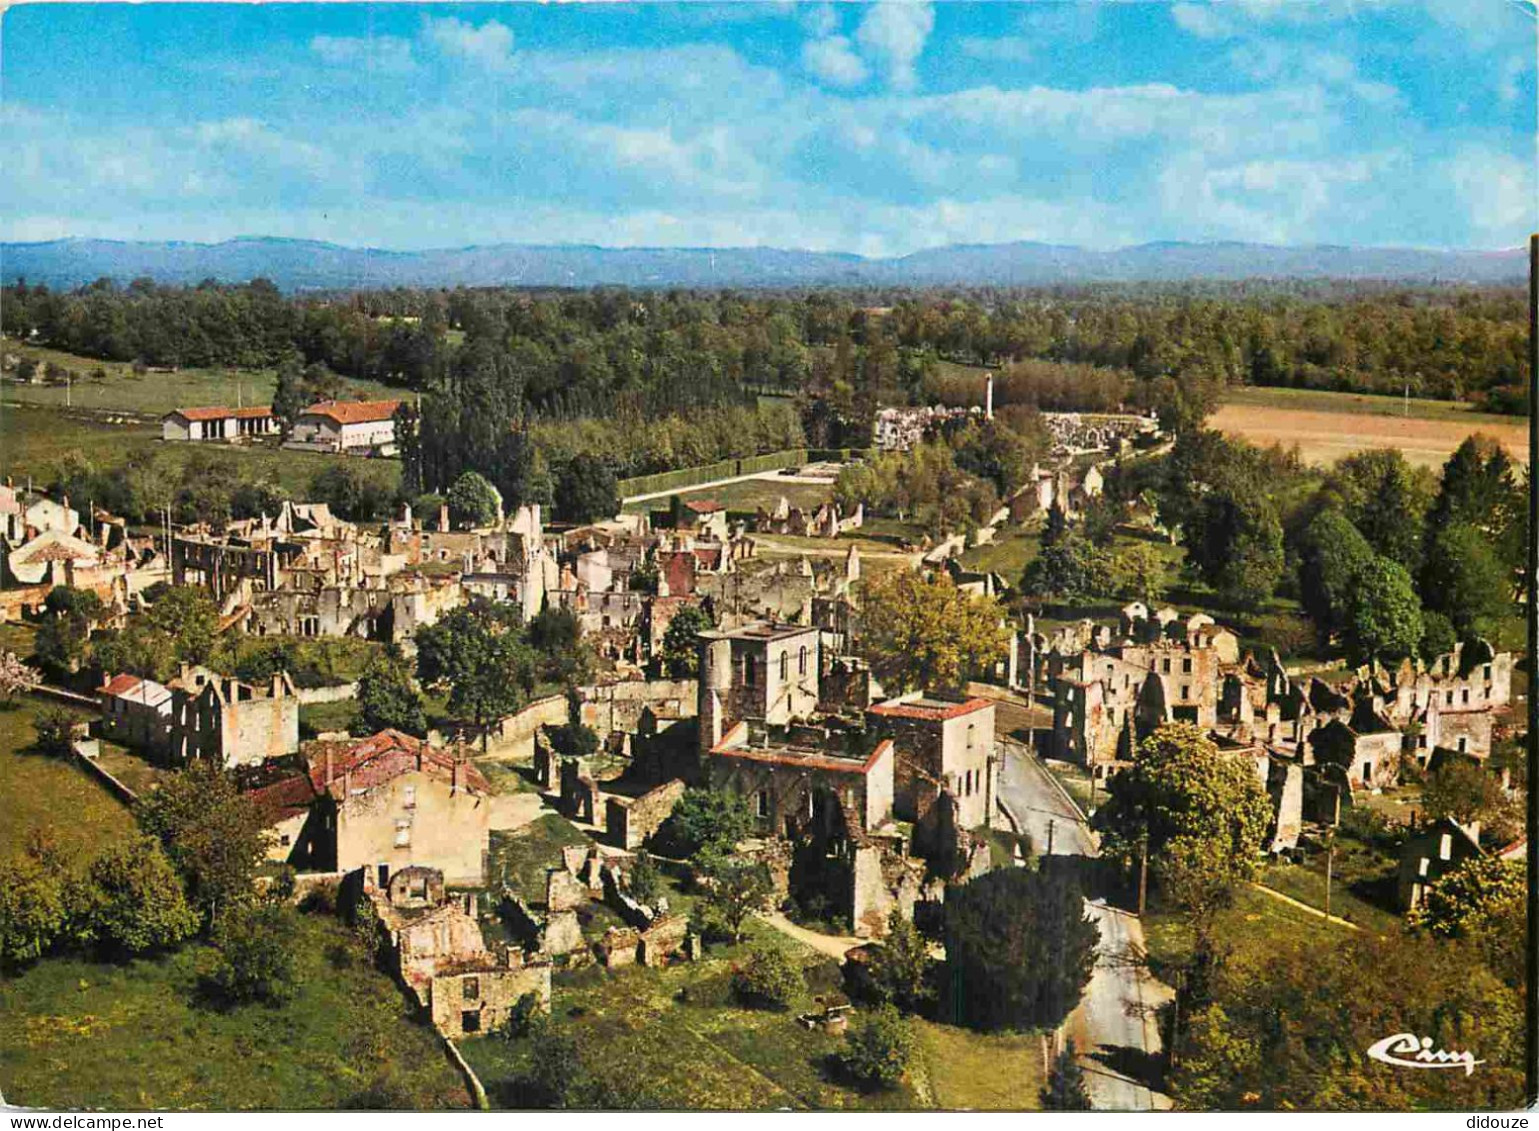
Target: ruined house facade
436,947
762,671
394,800
941,744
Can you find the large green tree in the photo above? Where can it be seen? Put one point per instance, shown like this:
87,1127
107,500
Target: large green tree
1383,614
1387,500
1482,901
134,900
1464,578
1235,543
1019,948
680,653
1202,810
473,501
1332,554
921,633
478,655
388,698
214,835
585,490
1280,1030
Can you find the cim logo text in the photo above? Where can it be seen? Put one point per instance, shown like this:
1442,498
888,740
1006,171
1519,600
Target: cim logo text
1407,1050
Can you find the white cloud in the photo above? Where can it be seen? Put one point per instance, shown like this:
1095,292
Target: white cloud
385,54
1497,190
820,20
833,61
1001,49
489,46
895,32
1275,200
1202,20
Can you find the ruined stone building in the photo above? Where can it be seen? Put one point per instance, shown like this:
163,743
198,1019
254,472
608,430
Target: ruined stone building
760,671
230,723
1437,848
942,744
392,800
202,714
435,945
822,780
1109,693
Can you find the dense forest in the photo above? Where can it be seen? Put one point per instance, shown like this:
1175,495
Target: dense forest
590,352
523,385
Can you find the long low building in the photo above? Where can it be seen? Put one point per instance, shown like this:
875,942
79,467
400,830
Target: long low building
359,427
218,423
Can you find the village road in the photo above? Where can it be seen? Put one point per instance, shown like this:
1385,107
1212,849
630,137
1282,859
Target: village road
1113,1026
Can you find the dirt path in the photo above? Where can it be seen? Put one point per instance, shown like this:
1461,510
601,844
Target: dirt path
835,946
820,480
1290,901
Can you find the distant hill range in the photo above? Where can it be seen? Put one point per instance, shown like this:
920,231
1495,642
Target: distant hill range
312,265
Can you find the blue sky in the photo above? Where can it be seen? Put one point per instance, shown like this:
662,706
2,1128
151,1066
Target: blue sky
873,128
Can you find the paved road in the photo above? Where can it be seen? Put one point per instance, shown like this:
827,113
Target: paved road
1035,800
1113,1025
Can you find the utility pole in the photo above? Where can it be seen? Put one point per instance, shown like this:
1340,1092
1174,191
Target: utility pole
1531,1058
1330,864
1050,824
1143,870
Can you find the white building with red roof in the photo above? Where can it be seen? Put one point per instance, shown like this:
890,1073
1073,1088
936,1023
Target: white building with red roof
218,423
357,427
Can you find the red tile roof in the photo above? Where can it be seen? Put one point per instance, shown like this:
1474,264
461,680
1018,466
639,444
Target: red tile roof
120,685
379,758
255,412
932,714
285,798
704,506
354,412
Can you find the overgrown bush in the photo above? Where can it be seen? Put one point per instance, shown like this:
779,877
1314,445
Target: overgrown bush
54,732
877,1050
254,960
767,980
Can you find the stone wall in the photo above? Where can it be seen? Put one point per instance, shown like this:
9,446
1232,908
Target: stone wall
475,1002
512,739
336,693
618,706
630,822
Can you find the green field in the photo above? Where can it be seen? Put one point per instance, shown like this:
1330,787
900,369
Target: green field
1369,404
49,796
133,1036
1013,547
34,441
121,389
